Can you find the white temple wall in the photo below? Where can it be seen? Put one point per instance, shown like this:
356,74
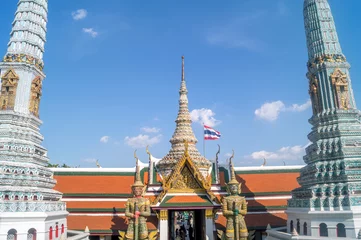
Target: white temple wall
22,99
163,229
41,222
351,220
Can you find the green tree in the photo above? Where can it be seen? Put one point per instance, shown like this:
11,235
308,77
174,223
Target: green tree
58,166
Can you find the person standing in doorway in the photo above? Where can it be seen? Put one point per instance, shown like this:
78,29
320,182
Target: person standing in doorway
190,230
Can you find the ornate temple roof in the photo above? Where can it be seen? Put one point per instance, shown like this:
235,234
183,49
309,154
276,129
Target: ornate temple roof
183,133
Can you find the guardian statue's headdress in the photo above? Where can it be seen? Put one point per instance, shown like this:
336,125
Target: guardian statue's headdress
138,182
233,180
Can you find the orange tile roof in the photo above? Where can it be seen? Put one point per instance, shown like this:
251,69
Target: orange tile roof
94,184
267,202
119,187
187,199
95,204
268,182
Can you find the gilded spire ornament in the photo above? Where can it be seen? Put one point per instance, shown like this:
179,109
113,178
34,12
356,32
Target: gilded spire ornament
183,132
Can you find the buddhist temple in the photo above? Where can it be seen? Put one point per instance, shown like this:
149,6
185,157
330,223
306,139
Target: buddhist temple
179,189
181,195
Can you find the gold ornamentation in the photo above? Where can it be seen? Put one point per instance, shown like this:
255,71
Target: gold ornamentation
9,84
341,94
185,180
24,59
164,215
35,96
329,58
320,60
314,94
209,213
192,181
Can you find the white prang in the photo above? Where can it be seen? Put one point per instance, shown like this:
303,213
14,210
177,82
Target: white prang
28,203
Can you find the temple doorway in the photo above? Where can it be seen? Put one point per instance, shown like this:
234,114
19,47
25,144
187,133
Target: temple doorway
186,225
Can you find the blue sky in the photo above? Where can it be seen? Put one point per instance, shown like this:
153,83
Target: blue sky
113,75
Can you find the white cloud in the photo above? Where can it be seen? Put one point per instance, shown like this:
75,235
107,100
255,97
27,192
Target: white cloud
91,32
141,140
288,154
150,129
300,108
104,139
79,14
204,116
90,160
271,111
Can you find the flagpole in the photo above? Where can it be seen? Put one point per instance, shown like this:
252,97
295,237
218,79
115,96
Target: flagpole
204,144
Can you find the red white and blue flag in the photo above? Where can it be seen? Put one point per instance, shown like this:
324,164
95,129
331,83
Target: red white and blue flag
210,133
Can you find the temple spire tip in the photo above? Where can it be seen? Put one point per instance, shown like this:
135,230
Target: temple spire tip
182,67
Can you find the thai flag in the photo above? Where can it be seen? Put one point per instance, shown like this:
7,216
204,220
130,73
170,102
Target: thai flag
210,133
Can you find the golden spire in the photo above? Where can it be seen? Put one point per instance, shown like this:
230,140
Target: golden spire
231,168
138,182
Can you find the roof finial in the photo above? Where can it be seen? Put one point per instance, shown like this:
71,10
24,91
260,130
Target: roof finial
183,68
219,151
150,155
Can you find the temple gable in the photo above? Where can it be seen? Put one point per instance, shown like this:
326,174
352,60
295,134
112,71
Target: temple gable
185,180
